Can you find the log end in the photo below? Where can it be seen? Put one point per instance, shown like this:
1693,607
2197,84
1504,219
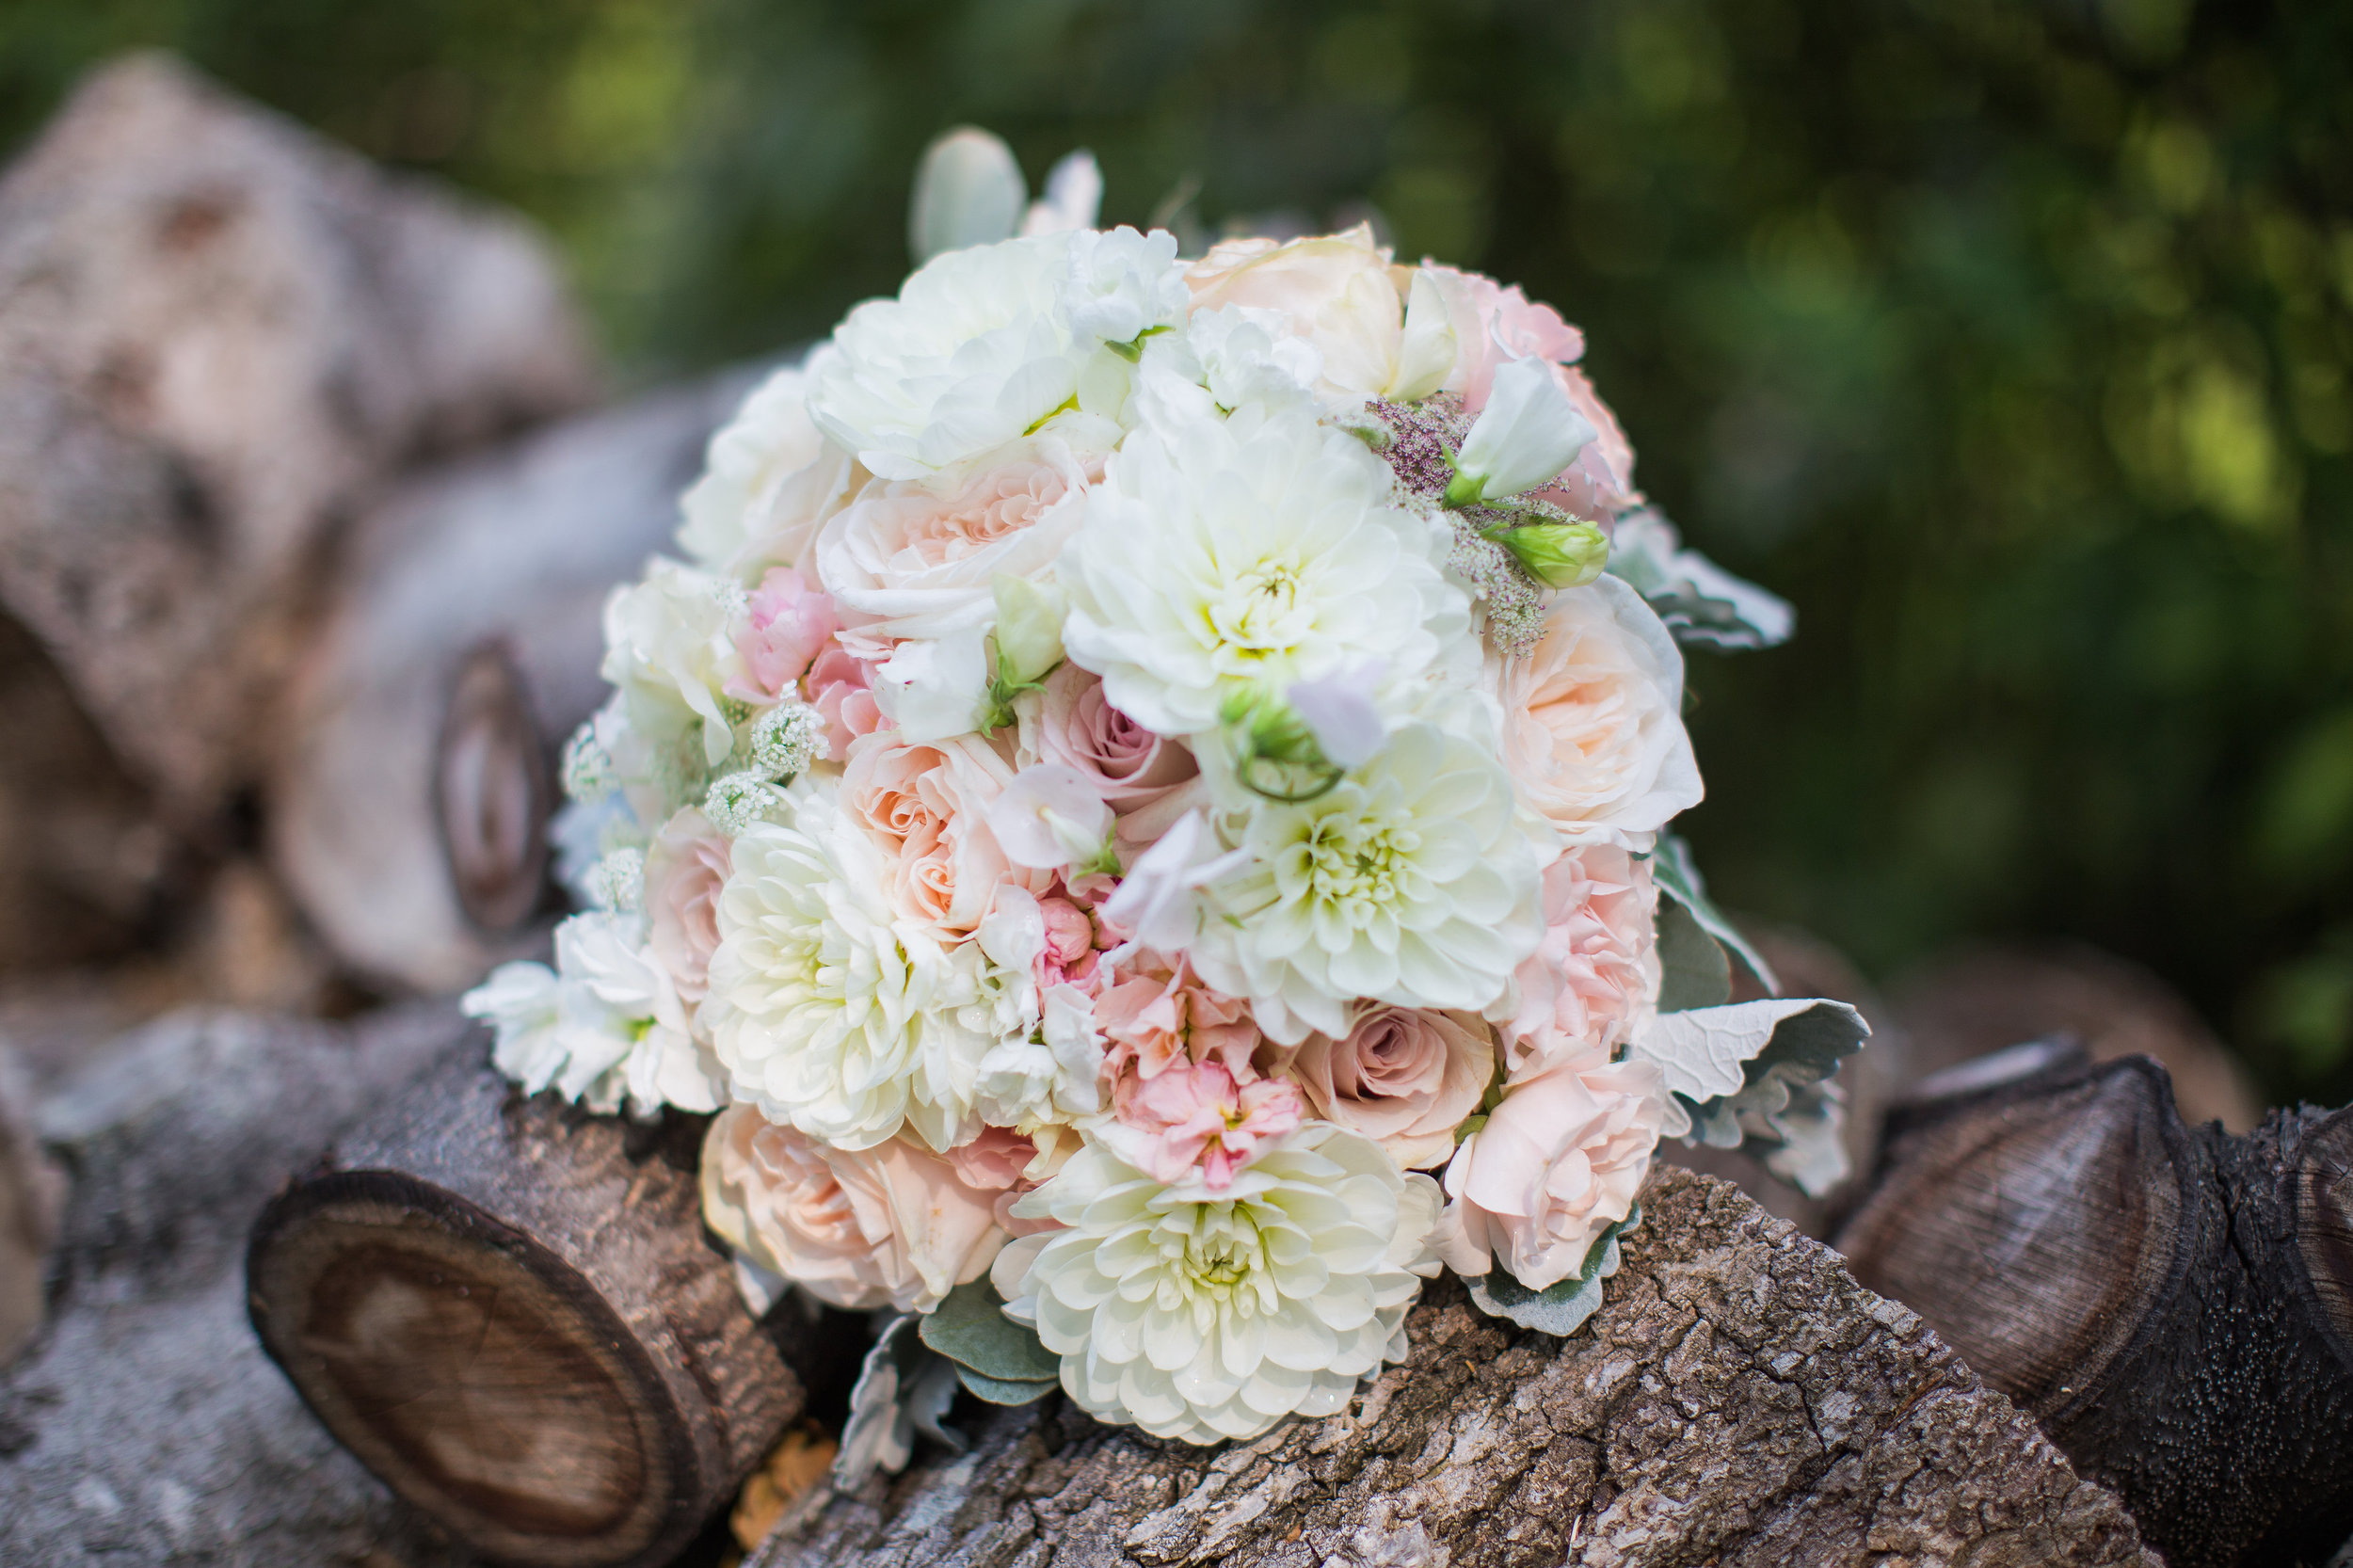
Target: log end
479,1375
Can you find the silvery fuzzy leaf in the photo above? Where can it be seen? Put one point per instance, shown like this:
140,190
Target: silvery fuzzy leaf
970,1328
1705,1052
1003,1391
1807,1149
903,1389
1561,1308
1679,879
1703,604
1694,969
1782,1102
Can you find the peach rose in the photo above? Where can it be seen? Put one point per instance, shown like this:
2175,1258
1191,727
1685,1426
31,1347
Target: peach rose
1592,718
926,806
894,1226
1159,1013
1558,1162
1404,1077
1338,290
906,561
1596,974
685,866
1071,723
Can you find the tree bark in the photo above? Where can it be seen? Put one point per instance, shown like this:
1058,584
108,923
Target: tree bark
218,336
508,1311
144,1425
1738,1401
460,649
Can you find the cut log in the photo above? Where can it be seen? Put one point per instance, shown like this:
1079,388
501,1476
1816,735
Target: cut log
1739,1400
31,1192
144,1425
509,1311
218,336
412,799
2169,1302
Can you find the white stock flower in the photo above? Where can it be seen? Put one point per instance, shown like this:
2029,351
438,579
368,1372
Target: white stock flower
1410,881
769,478
604,1028
1206,1316
1523,438
1122,284
827,1012
1050,817
670,647
973,354
1223,556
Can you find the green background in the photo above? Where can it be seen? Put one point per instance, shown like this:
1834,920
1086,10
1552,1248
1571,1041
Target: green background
2009,341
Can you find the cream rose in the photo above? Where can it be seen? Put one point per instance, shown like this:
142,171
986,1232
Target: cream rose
924,807
1592,718
685,868
1382,330
1557,1163
1404,1077
1596,975
894,1226
906,561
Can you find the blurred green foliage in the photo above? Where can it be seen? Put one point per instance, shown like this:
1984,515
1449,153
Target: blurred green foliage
2012,340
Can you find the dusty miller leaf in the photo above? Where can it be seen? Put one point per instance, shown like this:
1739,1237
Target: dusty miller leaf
903,1389
1679,879
1561,1308
999,1391
1701,604
1694,969
969,1327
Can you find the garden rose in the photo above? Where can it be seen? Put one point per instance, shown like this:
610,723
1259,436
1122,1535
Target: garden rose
1558,1162
1382,330
840,686
894,1225
1592,718
925,807
1495,325
685,868
1596,974
1404,1077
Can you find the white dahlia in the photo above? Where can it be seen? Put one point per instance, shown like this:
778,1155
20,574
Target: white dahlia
976,351
1221,555
825,1010
1410,882
1208,1316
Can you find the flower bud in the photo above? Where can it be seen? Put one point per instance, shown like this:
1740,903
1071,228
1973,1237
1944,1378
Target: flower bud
1558,554
1029,629
1527,434
968,190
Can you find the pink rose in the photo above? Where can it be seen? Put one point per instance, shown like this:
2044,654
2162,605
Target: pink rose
1404,1077
994,1162
926,807
1197,1120
685,866
1592,718
1600,484
1558,1162
1159,1013
1072,724
1493,325
1596,974
894,1226
790,624
840,688
1070,955
907,562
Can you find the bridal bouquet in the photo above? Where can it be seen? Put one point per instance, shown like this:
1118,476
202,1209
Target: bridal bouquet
1143,811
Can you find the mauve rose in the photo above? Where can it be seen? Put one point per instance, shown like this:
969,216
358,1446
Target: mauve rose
1404,1077
1071,723
838,687
685,866
1592,718
790,623
1596,974
1158,1011
924,806
1558,1162
894,1226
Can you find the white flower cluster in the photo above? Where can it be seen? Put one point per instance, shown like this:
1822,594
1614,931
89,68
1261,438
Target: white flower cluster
1137,758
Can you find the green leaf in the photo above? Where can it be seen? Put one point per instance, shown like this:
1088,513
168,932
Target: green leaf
1000,1390
1561,1308
969,1327
1697,970
1679,879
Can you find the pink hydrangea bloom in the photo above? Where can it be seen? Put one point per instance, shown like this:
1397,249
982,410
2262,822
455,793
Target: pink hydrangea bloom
1197,1119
